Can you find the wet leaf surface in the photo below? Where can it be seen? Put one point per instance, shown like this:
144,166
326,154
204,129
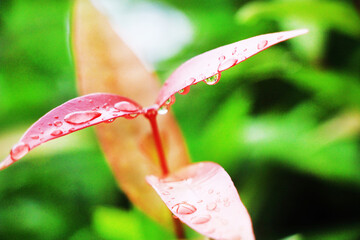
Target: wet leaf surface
204,197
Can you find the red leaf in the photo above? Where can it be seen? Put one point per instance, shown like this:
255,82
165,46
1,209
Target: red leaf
209,65
203,196
74,115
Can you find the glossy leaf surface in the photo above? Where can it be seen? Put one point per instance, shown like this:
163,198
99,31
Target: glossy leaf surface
104,63
72,116
209,65
204,197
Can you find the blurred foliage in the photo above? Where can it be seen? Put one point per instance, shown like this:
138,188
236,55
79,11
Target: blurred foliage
285,124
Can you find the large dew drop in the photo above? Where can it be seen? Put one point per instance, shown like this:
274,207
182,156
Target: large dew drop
19,150
213,79
126,106
81,117
183,208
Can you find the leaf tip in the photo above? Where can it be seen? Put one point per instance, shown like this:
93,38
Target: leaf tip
6,162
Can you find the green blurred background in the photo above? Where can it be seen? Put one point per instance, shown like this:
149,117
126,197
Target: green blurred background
285,124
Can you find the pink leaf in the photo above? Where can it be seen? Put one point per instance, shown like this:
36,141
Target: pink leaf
209,65
203,196
74,115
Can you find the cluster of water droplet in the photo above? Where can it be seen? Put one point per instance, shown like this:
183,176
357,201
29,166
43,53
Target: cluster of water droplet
71,122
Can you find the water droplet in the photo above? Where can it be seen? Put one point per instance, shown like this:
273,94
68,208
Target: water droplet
183,208
163,110
222,58
227,64
200,201
58,124
213,79
165,193
211,191
56,117
210,231
90,101
19,150
34,137
190,81
200,219
56,133
72,130
126,106
280,37
234,51
170,100
110,120
226,202
185,90
81,117
211,206
262,44
50,124
131,116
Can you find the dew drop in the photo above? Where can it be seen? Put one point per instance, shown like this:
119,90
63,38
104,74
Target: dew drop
210,231
234,51
183,208
56,117
131,116
165,193
126,106
200,219
262,44
170,100
211,206
185,90
110,120
81,117
72,130
56,133
50,124
58,124
19,150
163,110
190,81
222,58
213,79
34,137
227,64
211,191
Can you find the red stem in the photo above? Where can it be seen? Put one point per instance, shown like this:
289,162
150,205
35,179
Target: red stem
151,115
157,139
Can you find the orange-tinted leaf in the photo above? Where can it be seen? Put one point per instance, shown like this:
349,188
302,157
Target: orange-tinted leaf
104,63
74,115
209,65
203,196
